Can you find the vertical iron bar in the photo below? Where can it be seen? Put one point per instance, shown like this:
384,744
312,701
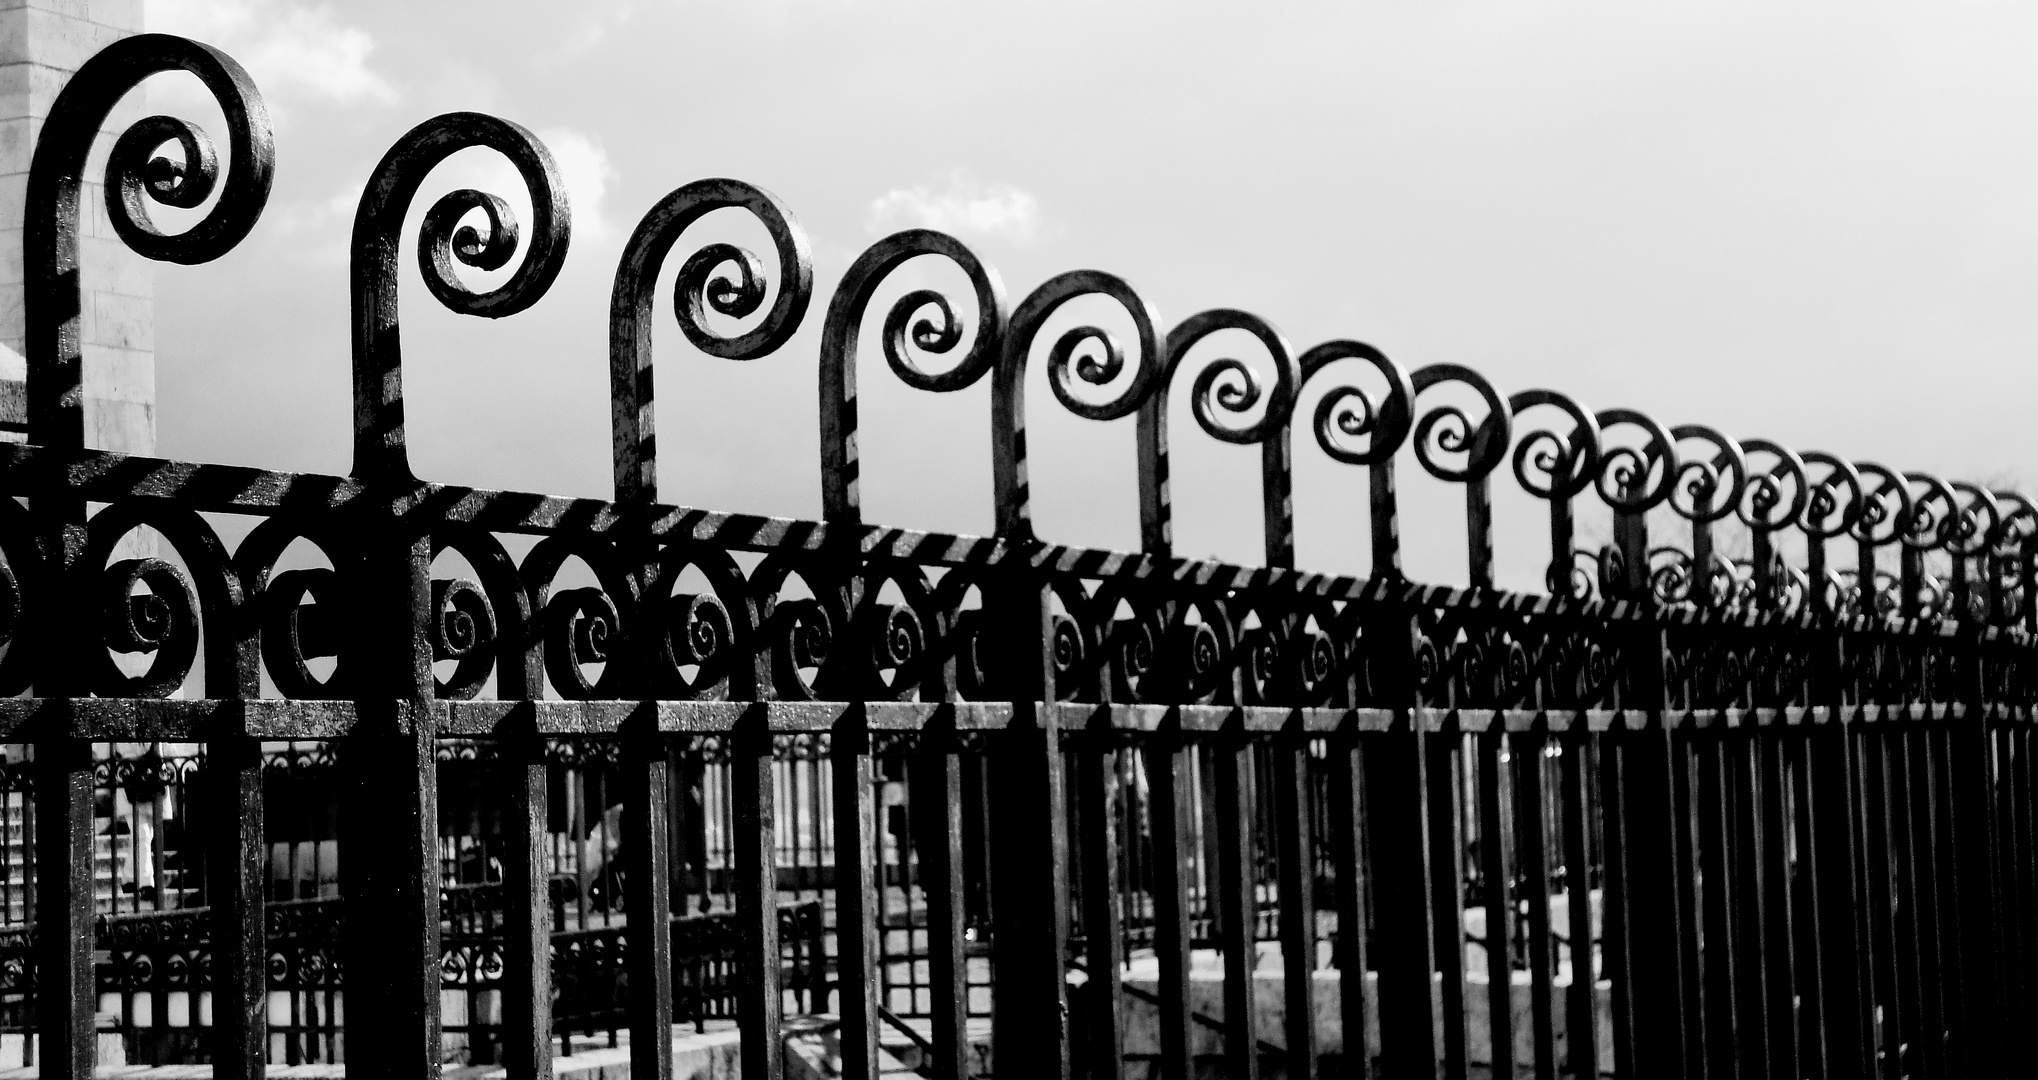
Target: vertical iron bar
1295,859
1531,817
1347,770
1447,888
1167,772
936,800
1581,1007
1717,912
1498,898
856,896
527,908
1237,909
758,1001
646,771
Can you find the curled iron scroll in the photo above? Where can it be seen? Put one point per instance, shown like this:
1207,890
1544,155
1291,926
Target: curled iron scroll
1885,507
1227,385
1349,412
380,451
723,277
1926,528
1624,471
1064,370
923,318
1549,465
1837,500
1978,522
136,175
1447,430
1776,497
1708,489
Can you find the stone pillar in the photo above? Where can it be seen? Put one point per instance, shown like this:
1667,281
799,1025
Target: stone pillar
42,42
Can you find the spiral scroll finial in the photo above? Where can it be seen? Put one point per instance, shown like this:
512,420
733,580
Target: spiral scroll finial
1445,431
135,176
1548,465
1625,472
1345,414
1225,387
380,451
722,277
1064,369
936,330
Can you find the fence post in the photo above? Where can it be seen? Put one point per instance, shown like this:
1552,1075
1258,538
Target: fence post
390,828
1645,888
646,777
1029,825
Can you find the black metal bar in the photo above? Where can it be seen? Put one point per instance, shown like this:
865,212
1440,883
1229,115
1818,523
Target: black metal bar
527,910
1295,856
856,897
647,940
1346,766
1167,772
1532,817
1496,865
1236,905
936,800
237,879
1581,1004
754,837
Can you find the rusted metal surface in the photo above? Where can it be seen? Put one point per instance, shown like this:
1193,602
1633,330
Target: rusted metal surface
1780,802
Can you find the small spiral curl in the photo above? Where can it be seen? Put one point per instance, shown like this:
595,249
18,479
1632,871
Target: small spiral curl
1070,376
148,606
1777,497
1549,465
1837,499
444,240
463,629
581,628
1709,484
1634,479
1977,523
1227,388
1932,511
1885,506
1346,413
1448,431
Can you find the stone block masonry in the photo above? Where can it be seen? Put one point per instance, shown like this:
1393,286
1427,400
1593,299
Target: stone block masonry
42,42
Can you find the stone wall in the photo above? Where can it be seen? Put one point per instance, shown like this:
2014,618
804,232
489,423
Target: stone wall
42,42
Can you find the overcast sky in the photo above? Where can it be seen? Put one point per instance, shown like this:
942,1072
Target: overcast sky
1812,223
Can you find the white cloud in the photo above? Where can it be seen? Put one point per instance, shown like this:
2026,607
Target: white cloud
585,170
959,205
283,44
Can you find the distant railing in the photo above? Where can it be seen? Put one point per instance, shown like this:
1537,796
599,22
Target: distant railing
1756,769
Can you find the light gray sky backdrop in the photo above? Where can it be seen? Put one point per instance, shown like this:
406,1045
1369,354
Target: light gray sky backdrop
1816,223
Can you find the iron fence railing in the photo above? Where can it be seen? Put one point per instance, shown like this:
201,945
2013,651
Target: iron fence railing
1754,773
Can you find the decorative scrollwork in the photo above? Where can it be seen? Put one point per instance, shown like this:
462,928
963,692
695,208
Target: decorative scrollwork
908,322
1777,497
1552,466
586,626
1932,512
723,277
463,630
1633,479
1064,370
1709,486
146,605
1447,432
1349,412
380,449
1837,498
137,173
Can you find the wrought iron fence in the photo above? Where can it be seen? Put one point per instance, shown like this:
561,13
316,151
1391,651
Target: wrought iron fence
1756,771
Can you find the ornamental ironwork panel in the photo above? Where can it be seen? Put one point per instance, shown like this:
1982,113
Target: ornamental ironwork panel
1754,771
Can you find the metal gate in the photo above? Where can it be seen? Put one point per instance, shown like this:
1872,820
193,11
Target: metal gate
1746,786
